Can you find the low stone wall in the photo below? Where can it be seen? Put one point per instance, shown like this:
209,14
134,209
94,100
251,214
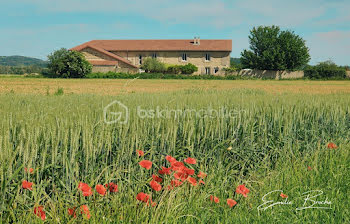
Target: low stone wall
348,74
272,74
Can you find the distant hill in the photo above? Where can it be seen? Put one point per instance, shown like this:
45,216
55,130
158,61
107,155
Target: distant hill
21,61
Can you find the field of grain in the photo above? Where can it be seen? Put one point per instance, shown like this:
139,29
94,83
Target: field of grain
269,136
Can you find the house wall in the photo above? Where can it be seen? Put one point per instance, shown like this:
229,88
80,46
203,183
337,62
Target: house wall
91,54
348,74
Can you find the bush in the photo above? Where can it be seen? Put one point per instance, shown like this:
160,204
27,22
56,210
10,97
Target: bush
153,65
174,69
189,69
325,70
67,64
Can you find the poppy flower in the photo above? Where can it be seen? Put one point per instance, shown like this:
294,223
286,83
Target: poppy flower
27,185
85,188
165,170
231,202
241,189
188,171
175,183
309,168
331,145
155,185
140,152
215,199
192,181
146,164
112,187
30,170
39,211
85,211
283,195
190,160
71,212
201,182
100,189
142,197
157,179
180,175
201,175
170,159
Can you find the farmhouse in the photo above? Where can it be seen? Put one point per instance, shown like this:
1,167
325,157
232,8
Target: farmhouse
210,56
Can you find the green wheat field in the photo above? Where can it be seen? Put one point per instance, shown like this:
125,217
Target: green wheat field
271,143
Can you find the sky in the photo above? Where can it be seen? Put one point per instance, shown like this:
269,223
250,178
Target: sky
36,28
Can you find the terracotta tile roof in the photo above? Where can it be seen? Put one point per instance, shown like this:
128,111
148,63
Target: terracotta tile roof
103,62
159,45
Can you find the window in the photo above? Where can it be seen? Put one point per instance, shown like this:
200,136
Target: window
184,57
207,70
154,55
140,59
207,57
216,70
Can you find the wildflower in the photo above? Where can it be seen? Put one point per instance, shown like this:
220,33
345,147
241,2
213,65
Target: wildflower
112,187
155,185
201,175
30,170
177,165
331,145
190,160
101,189
309,168
215,199
85,211
142,197
85,188
71,212
201,182
231,202
27,185
164,170
140,152
157,179
170,159
229,148
283,195
39,211
241,189
146,164
188,171
192,181
180,175
175,183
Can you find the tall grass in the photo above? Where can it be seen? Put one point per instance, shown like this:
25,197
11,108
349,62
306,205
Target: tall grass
65,139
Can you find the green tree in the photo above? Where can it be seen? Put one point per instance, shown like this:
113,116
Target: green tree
68,64
273,49
153,65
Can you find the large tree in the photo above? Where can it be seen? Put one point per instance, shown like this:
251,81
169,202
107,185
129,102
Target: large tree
273,49
68,64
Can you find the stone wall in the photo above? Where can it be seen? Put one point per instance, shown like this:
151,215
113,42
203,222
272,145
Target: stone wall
271,74
348,74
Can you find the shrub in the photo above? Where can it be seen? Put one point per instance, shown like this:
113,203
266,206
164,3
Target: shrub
67,64
325,70
153,65
174,69
189,69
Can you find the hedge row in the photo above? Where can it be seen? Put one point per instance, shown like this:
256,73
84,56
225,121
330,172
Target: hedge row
325,70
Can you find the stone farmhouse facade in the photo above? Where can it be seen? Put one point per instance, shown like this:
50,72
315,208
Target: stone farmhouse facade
210,56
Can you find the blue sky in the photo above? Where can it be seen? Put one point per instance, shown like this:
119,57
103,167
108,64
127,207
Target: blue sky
37,27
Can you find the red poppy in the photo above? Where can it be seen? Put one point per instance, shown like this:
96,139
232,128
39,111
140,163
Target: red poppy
155,186
192,181
190,160
241,189
85,211
331,145
140,152
215,199
85,188
177,165
202,175
165,170
39,211
231,202
180,175
309,168
175,183
201,182
27,185
146,164
30,170
71,212
101,189
157,179
142,197
188,171
170,159
112,187
283,195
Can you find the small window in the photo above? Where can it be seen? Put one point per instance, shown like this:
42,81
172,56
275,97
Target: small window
184,57
154,55
207,70
207,57
140,59
216,70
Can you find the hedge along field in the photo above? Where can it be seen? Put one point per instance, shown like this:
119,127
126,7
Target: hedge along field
267,144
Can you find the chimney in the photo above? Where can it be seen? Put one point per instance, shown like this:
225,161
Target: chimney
195,41
198,41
